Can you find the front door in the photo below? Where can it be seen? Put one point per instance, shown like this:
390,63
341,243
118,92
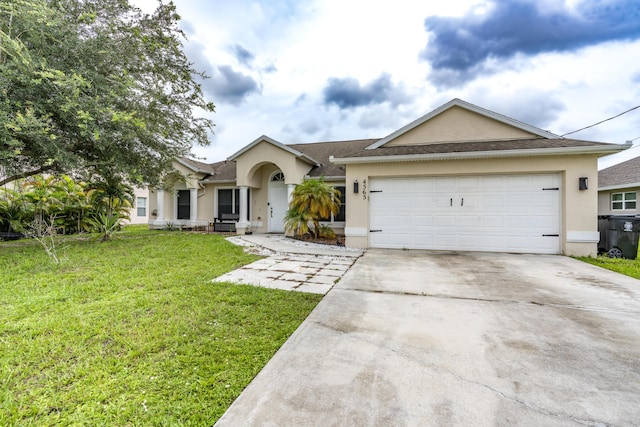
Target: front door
278,203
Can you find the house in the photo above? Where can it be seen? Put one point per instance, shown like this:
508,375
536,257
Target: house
139,212
618,188
458,178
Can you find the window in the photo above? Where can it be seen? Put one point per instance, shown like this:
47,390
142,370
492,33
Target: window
184,204
341,215
623,201
229,201
141,205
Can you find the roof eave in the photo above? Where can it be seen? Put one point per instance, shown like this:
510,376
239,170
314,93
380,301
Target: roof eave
192,167
601,150
619,186
328,178
218,181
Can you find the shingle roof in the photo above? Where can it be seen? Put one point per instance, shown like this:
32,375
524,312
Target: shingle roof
225,171
321,151
621,174
196,165
222,171
478,146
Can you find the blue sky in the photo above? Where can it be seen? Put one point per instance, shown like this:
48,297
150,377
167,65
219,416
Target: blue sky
308,71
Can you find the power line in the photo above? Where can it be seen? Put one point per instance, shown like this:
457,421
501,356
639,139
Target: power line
605,120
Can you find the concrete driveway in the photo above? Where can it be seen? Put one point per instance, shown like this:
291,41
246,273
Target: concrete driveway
412,338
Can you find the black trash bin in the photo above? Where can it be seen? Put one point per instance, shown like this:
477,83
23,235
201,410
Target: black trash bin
621,236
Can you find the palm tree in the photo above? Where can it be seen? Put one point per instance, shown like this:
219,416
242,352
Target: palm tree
311,201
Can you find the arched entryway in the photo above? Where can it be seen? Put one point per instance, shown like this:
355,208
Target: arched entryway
278,203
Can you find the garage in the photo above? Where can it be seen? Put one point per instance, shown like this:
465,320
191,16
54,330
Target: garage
494,213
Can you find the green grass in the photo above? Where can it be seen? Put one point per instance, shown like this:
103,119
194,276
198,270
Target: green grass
132,331
629,267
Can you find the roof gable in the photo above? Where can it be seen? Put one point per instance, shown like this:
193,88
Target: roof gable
195,165
460,121
277,144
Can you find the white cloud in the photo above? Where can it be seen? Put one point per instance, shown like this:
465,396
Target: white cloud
298,46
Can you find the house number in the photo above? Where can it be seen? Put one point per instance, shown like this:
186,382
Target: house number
364,190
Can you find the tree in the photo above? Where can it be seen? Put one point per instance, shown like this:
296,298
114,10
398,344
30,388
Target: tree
311,201
96,86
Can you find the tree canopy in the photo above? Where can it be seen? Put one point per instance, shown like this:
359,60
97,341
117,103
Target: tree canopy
96,87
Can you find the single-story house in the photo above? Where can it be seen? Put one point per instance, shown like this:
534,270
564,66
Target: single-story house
458,178
618,188
139,212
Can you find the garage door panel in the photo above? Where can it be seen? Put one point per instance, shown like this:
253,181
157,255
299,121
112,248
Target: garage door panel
445,220
486,213
468,221
423,221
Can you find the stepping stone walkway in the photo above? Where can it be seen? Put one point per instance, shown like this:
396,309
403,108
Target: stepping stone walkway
292,272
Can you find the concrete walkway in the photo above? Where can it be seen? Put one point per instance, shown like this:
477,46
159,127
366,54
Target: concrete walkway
291,265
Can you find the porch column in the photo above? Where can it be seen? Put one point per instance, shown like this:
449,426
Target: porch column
243,225
160,207
193,205
290,188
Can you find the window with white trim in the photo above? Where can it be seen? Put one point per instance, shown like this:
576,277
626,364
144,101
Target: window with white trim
141,206
229,201
623,201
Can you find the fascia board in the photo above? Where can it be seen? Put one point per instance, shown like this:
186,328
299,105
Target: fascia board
221,181
619,186
601,150
328,178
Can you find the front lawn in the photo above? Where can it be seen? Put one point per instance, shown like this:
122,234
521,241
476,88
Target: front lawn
132,331
629,267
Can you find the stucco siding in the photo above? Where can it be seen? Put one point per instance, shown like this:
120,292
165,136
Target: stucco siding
134,218
579,208
264,153
459,125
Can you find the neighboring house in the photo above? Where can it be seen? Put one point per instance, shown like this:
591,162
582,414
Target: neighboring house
618,188
459,178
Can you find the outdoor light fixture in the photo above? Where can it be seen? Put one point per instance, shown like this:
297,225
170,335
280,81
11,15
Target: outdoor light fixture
583,183
355,186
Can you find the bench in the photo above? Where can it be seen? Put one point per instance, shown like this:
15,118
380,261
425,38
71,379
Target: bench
9,235
226,223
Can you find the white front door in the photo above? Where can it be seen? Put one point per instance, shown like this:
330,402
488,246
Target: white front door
497,213
278,203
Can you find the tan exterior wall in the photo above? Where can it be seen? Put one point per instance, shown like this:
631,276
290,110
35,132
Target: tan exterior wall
264,153
206,203
459,124
579,208
133,214
604,202
192,178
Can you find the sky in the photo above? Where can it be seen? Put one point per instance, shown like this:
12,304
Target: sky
331,70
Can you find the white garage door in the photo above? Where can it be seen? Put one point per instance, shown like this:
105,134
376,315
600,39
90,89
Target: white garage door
497,213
